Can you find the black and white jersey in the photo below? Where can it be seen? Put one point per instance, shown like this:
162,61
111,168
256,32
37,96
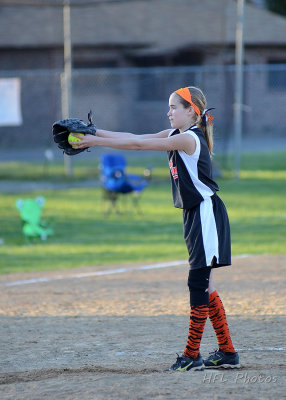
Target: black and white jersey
191,175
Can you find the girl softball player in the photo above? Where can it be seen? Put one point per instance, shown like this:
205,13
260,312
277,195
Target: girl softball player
206,227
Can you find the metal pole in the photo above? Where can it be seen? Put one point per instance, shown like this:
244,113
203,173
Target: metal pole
67,78
239,58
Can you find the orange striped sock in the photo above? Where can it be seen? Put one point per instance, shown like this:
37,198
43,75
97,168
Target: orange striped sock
219,323
198,317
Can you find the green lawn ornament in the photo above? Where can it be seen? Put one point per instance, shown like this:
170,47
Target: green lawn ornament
31,213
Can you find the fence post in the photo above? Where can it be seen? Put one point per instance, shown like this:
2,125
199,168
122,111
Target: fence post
239,56
66,84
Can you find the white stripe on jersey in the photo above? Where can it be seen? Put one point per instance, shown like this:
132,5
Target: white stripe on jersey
209,231
191,163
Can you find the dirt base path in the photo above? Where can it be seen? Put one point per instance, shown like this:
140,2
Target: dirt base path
110,333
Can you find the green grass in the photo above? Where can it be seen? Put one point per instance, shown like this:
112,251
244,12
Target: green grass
13,170
85,236
82,169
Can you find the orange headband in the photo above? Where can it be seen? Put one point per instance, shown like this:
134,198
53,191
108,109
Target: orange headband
186,95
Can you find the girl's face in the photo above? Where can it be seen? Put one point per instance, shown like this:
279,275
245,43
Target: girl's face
180,117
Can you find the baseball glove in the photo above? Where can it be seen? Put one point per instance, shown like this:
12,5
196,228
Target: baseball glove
62,129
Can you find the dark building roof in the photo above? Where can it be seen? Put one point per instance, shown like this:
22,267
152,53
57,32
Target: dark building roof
152,26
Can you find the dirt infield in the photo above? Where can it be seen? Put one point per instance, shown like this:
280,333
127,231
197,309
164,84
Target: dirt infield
81,334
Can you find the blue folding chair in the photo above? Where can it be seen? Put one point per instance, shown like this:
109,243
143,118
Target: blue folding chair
116,182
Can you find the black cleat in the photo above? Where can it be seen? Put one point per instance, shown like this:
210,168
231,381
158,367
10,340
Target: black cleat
187,363
219,359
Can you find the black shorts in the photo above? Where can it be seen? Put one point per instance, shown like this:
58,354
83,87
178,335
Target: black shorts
207,234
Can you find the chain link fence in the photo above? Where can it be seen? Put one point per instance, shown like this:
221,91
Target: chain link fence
136,100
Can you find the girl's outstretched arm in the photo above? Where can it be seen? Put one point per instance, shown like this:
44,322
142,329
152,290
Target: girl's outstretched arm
111,134
157,142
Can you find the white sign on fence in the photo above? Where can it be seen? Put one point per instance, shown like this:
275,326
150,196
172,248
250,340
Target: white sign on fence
10,102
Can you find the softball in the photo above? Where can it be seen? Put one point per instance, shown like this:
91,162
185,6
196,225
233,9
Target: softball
72,138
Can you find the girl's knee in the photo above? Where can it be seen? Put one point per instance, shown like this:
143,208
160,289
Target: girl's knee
198,283
211,283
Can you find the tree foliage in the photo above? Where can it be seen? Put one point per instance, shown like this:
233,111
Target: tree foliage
277,6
